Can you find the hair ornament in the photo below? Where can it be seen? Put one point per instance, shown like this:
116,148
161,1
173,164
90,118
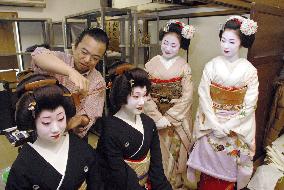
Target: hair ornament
131,81
37,84
247,26
67,94
187,31
32,108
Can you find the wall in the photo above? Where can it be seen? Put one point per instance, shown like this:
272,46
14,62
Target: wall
55,9
127,3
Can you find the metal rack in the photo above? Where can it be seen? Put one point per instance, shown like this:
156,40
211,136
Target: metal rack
20,53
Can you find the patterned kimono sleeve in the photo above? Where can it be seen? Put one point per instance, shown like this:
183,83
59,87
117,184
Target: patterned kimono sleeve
41,50
156,172
244,123
122,176
177,113
150,107
206,117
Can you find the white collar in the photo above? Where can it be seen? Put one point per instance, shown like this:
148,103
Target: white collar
168,62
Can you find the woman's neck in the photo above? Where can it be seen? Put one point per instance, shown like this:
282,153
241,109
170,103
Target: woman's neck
168,59
232,58
124,114
51,146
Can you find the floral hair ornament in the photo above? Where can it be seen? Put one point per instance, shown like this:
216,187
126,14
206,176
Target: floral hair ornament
31,107
187,31
247,26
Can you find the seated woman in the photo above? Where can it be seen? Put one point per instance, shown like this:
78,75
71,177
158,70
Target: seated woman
129,146
57,159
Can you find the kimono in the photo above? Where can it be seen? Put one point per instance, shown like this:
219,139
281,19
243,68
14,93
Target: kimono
225,122
31,171
130,160
171,97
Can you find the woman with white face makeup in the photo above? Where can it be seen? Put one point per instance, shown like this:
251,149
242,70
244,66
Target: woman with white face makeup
129,146
170,106
224,128
56,159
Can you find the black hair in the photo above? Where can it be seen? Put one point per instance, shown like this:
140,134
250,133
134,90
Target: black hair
234,24
96,33
48,97
176,28
32,48
123,86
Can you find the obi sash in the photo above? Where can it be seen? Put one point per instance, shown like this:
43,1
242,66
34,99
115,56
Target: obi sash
83,186
141,168
163,91
227,98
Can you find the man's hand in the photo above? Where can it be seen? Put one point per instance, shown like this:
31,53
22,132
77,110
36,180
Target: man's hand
80,81
78,124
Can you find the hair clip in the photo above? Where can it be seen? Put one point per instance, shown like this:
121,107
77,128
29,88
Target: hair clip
67,94
34,85
131,81
32,108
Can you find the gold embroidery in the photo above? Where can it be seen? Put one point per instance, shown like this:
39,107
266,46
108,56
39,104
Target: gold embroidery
225,99
141,168
163,93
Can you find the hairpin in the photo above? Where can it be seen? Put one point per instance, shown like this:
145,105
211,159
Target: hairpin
31,107
131,81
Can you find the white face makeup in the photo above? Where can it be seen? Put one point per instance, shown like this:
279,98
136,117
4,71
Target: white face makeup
135,101
230,44
51,124
170,45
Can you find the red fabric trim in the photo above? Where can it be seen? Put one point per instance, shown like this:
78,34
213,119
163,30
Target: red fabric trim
140,160
166,81
230,88
209,183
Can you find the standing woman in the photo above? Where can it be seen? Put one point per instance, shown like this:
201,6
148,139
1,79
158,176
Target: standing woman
170,106
129,145
225,122
56,160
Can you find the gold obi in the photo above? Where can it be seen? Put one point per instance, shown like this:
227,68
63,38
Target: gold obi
164,91
83,186
225,98
141,168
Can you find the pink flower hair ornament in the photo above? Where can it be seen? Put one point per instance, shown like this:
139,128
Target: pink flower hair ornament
247,26
187,31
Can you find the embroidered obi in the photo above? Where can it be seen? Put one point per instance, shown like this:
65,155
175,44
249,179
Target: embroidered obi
141,168
227,98
163,91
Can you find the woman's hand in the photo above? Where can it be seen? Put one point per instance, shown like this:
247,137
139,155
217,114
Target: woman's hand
163,123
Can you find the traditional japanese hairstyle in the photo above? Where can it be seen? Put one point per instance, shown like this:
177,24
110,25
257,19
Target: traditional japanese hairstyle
40,92
184,32
124,84
246,29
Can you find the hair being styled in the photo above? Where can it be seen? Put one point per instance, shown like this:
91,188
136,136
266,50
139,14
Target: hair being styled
46,97
96,33
175,28
235,24
124,84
